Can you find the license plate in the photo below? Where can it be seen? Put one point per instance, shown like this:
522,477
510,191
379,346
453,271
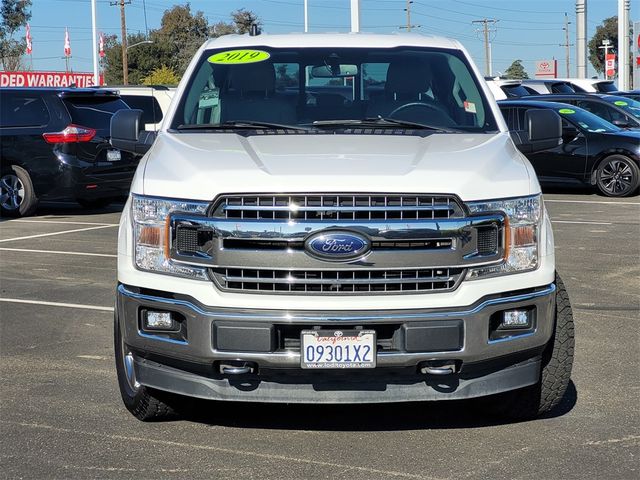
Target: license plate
113,156
338,349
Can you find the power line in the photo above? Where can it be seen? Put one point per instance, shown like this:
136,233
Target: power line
408,10
566,44
487,47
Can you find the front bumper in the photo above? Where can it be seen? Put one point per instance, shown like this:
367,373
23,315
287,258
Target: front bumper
191,365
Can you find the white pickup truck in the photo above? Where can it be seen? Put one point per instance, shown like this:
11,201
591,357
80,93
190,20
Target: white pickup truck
338,218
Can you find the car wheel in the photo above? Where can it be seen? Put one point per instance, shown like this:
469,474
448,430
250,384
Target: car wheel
557,361
17,198
94,204
144,403
618,176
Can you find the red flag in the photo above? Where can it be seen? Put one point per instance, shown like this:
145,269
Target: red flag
28,38
67,43
101,46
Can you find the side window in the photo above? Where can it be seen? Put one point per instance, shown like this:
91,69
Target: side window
507,113
598,109
287,76
617,115
519,120
23,110
374,78
152,113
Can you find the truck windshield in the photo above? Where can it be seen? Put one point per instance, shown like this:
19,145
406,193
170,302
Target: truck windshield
333,88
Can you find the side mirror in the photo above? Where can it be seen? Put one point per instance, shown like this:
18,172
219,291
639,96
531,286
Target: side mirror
128,134
543,132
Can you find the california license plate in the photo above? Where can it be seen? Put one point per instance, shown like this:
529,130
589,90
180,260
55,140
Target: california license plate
338,349
114,155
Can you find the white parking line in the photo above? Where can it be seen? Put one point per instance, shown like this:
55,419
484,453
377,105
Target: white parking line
56,233
583,223
591,201
57,252
64,223
58,304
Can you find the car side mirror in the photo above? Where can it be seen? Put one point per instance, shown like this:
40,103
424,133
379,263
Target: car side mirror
543,131
128,134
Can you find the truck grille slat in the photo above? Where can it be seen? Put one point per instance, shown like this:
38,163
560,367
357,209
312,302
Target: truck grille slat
337,207
338,281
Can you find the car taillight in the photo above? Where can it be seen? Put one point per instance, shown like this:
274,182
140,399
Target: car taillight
71,134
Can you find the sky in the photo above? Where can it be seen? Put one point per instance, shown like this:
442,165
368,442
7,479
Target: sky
526,30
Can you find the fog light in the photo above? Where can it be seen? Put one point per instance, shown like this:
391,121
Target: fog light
159,321
515,319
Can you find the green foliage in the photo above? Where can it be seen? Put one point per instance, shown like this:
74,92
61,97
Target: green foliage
516,70
14,14
607,31
180,35
161,76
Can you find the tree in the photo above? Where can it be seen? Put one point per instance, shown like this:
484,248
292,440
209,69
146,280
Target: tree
161,76
14,15
607,31
180,35
516,70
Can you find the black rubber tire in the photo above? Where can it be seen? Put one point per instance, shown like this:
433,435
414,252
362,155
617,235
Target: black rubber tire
633,175
94,204
144,403
29,201
557,361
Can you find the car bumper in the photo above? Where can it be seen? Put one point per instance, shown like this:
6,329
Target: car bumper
217,337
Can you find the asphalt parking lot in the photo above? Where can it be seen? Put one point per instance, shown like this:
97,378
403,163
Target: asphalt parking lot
61,415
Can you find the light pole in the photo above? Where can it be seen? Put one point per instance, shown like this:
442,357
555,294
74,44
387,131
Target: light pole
125,66
94,31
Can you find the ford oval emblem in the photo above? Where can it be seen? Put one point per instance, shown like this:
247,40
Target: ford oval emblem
337,245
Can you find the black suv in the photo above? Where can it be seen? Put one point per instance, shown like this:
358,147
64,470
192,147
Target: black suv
621,111
54,145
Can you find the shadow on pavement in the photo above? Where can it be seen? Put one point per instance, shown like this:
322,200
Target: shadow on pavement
371,417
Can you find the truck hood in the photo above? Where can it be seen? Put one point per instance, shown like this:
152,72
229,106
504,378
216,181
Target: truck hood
201,165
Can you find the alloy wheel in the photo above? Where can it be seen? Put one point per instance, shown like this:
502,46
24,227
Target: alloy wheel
11,192
616,177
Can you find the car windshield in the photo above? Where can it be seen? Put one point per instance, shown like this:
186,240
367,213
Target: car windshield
630,106
586,121
333,88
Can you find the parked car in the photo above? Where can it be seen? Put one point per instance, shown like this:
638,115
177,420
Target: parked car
505,88
633,95
593,152
590,85
549,85
388,246
621,111
54,145
153,100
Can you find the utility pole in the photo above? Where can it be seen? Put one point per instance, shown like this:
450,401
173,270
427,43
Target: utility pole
355,15
606,45
123,26
409,25
623,44
487,54
581,38
306,16
94,34
566,43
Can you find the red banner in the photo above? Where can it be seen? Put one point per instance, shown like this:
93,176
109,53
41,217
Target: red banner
610,64
46,79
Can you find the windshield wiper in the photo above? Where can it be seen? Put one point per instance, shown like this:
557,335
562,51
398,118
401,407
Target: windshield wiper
241,124
382,122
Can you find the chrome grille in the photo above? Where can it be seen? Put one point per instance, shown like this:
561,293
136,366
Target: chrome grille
421,280
337,207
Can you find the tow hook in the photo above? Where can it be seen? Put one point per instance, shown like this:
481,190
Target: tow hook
438,368
237,368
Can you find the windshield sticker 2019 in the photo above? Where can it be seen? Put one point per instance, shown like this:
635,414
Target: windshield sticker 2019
236,57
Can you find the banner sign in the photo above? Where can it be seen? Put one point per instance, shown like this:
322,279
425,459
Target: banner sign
636,56
547,68
610,64
46,79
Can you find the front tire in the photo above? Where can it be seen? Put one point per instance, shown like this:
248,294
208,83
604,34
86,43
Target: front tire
617,176
557,361
17,197
144,403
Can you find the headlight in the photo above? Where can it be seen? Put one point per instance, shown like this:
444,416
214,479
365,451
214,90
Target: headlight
150,218
522,233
